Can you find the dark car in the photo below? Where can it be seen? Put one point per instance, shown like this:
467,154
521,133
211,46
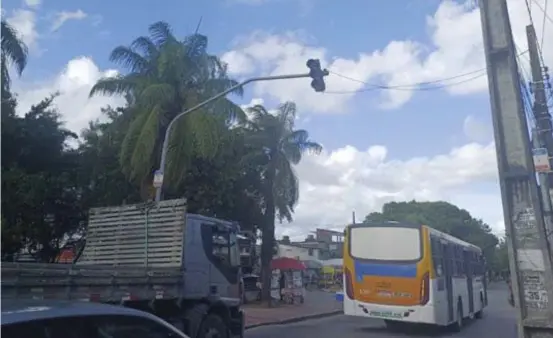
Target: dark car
64,319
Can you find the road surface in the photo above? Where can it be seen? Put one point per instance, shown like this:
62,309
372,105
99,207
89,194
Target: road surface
499,321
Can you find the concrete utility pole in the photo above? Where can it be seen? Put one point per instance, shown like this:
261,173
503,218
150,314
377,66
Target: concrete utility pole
543,133
529,257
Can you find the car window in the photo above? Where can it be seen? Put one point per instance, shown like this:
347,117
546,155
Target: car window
91,327
131,327
23,330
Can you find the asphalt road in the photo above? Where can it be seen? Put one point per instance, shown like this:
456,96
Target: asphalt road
499,321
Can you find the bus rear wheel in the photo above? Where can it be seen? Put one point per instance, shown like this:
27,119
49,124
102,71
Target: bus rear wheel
480,313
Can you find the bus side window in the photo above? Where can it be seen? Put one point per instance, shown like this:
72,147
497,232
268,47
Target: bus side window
450,257
436,256
460,261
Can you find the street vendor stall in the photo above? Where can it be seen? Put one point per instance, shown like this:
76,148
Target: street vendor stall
290,275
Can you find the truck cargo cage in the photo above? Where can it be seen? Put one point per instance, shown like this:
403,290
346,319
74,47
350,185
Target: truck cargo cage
149,234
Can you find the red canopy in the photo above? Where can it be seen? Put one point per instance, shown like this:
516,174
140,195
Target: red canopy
285,263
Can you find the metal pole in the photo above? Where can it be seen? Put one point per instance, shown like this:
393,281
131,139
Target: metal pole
530,262
543,134
201,105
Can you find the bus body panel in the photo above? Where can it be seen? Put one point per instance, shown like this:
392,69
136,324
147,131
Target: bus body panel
414,291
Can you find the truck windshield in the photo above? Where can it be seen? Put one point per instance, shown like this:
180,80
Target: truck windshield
385,243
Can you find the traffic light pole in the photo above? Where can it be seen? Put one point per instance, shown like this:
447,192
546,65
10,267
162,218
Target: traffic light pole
316,73
529,255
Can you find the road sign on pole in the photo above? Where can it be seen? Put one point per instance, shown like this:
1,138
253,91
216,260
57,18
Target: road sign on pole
158,179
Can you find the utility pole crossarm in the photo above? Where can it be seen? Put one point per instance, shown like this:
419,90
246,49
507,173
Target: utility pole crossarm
529,257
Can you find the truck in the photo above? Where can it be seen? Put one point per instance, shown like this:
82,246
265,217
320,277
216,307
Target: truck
154,257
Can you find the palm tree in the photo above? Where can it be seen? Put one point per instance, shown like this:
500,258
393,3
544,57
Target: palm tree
14,52
164,77
280,147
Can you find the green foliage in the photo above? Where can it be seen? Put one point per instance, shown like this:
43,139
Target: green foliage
442,216
14,53
166,76
40,194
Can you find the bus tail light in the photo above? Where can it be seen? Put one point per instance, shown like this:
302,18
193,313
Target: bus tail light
348,284
425,289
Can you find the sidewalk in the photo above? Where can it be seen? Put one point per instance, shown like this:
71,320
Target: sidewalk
317,304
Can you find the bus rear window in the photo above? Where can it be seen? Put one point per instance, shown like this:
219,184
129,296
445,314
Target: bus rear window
385,243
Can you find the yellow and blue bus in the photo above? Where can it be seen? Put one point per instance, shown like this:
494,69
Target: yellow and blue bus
403,272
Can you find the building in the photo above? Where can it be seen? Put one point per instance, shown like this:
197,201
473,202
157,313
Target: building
299,251
322,245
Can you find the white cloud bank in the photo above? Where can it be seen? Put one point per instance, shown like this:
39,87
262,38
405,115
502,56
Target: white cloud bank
456,48
73,84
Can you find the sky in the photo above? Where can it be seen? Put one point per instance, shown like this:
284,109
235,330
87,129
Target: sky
380,145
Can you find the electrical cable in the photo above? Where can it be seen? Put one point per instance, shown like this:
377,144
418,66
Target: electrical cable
414,86
543,22
408,87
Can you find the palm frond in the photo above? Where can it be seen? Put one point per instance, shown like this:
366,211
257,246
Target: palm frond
13,49
180,151
312,147
156,94
130,142
146,46
118,85
129,59
161,33
257,113
195,45
287,113
144,150
6,80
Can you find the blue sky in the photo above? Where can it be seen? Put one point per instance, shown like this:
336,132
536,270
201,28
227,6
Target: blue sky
433,144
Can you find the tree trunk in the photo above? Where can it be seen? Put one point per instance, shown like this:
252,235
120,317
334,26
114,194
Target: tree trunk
268,239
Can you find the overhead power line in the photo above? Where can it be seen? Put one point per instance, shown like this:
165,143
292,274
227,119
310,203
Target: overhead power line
418,86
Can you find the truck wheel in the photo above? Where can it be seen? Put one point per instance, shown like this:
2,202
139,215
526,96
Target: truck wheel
213,326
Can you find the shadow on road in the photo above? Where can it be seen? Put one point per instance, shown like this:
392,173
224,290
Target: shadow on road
415,330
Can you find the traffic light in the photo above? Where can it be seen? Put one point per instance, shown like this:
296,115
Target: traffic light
317,74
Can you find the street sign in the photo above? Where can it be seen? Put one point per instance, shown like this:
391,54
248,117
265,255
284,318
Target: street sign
158,179
541,160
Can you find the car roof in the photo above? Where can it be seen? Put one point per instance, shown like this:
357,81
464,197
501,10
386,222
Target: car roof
21,311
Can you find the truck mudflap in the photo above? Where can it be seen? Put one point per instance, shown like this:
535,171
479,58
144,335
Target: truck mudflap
238,324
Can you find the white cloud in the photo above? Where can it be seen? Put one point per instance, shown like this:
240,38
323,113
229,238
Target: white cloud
24,22
33,3
74,84
476,130
64,16
335,183
456,48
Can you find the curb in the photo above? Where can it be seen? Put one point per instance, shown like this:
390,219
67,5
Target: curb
297,319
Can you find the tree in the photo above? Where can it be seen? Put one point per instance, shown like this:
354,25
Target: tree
40,193
102,180
225,186
164,77
14,52
442,216
276,147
